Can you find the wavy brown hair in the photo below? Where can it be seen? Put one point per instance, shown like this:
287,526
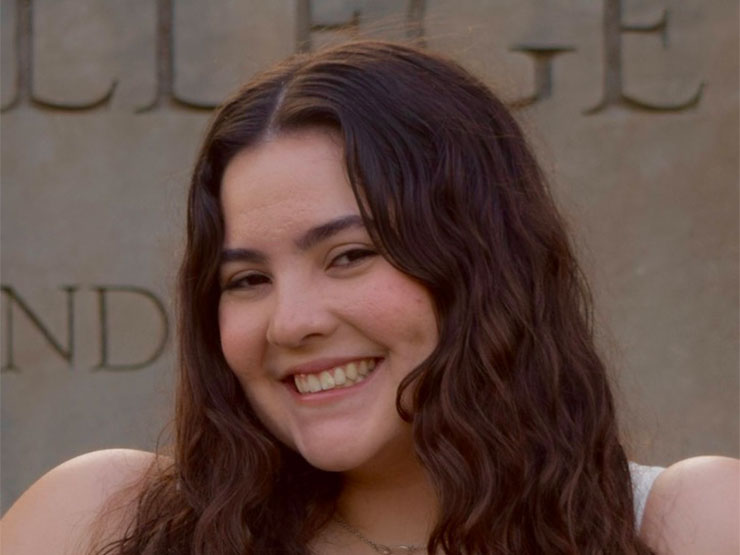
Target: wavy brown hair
512,413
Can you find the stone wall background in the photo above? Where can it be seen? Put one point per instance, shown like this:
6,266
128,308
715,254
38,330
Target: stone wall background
104,104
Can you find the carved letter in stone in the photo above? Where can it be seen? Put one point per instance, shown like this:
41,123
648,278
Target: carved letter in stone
103,292
542,56
24,69
303,25
14,299
613,92
165,95
415,21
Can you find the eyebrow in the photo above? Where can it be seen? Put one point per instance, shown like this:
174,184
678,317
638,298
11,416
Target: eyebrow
307,240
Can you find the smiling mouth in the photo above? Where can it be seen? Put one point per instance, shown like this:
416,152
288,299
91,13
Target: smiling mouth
338,377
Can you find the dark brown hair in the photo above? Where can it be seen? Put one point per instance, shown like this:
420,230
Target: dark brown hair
512,413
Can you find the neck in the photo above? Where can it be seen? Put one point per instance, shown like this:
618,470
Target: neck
394,505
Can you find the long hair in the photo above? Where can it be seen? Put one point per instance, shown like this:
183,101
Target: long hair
512,414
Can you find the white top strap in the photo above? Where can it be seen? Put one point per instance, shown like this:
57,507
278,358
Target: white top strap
642,482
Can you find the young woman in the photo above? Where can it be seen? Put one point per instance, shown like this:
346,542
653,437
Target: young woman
385,347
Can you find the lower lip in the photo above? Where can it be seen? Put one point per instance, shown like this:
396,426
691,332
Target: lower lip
337,392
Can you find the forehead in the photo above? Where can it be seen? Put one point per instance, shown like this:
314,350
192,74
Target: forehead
291,180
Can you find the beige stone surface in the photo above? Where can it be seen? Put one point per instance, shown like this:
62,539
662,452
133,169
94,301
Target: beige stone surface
94,198
653,197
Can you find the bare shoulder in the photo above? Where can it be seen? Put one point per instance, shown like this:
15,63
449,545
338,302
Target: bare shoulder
56,514
694,507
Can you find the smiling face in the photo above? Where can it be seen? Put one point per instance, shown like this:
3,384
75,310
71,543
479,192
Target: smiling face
308,306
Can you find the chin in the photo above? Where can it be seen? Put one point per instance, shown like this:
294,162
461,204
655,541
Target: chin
349,456
333,462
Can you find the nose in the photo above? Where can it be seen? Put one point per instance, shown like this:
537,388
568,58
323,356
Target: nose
300,315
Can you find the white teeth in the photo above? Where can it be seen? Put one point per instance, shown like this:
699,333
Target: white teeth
300,383
314,384
346,376
327,382
362,368
351,370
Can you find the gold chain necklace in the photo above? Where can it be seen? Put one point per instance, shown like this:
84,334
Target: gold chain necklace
378,547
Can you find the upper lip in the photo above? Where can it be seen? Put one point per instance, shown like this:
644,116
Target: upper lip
314,366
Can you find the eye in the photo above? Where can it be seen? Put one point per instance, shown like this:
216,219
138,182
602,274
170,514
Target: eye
352,257
246,281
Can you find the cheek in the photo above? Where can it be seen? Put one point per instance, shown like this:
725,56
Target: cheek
240,342
401,309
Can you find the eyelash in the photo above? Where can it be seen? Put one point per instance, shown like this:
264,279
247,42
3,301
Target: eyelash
247,281
354,256
243,282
